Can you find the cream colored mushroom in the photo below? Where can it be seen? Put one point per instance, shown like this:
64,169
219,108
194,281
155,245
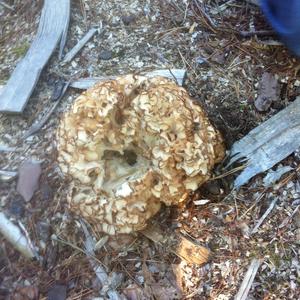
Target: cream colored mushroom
131,144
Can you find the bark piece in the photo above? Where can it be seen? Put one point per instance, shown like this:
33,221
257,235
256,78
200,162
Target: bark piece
268,92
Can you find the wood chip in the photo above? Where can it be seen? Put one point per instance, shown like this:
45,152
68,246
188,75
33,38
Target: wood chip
28,181
182,247
24,78
191,252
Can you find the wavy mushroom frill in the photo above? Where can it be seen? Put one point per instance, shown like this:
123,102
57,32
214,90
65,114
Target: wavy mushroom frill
131,144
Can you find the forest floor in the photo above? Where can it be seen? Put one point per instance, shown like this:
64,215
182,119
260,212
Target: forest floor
225,62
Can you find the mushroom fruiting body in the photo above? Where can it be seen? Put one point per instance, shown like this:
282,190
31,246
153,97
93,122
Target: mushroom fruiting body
129,145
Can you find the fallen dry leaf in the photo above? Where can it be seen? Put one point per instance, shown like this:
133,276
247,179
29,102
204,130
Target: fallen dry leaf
268,92
28,181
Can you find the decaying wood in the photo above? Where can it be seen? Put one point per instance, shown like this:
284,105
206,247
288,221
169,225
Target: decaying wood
176,74
22,82
248,280
179,245
13,234
268,144
71,54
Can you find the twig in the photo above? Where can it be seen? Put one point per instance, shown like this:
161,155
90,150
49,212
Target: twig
263,217
71,54
287,219
6,6
55,238
230,172
248,280
36,127
7,176
209,21
6,149
257,33
14,235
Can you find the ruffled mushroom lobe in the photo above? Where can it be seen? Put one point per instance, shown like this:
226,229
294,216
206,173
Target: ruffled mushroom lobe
129,145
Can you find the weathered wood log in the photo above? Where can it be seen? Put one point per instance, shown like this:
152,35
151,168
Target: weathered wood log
268,144
52,26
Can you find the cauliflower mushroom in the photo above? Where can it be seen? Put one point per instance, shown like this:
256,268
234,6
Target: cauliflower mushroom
129,145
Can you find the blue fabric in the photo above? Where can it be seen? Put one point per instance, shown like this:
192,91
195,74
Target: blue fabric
284,16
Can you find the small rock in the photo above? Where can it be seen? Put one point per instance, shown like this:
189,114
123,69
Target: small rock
16,207
57,292
105,55
57,90
28,181
128,19
213,187
201,60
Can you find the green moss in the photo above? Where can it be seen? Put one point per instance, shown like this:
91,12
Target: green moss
21,50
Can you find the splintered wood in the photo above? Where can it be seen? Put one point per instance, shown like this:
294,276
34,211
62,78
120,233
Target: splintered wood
179,245
268,144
